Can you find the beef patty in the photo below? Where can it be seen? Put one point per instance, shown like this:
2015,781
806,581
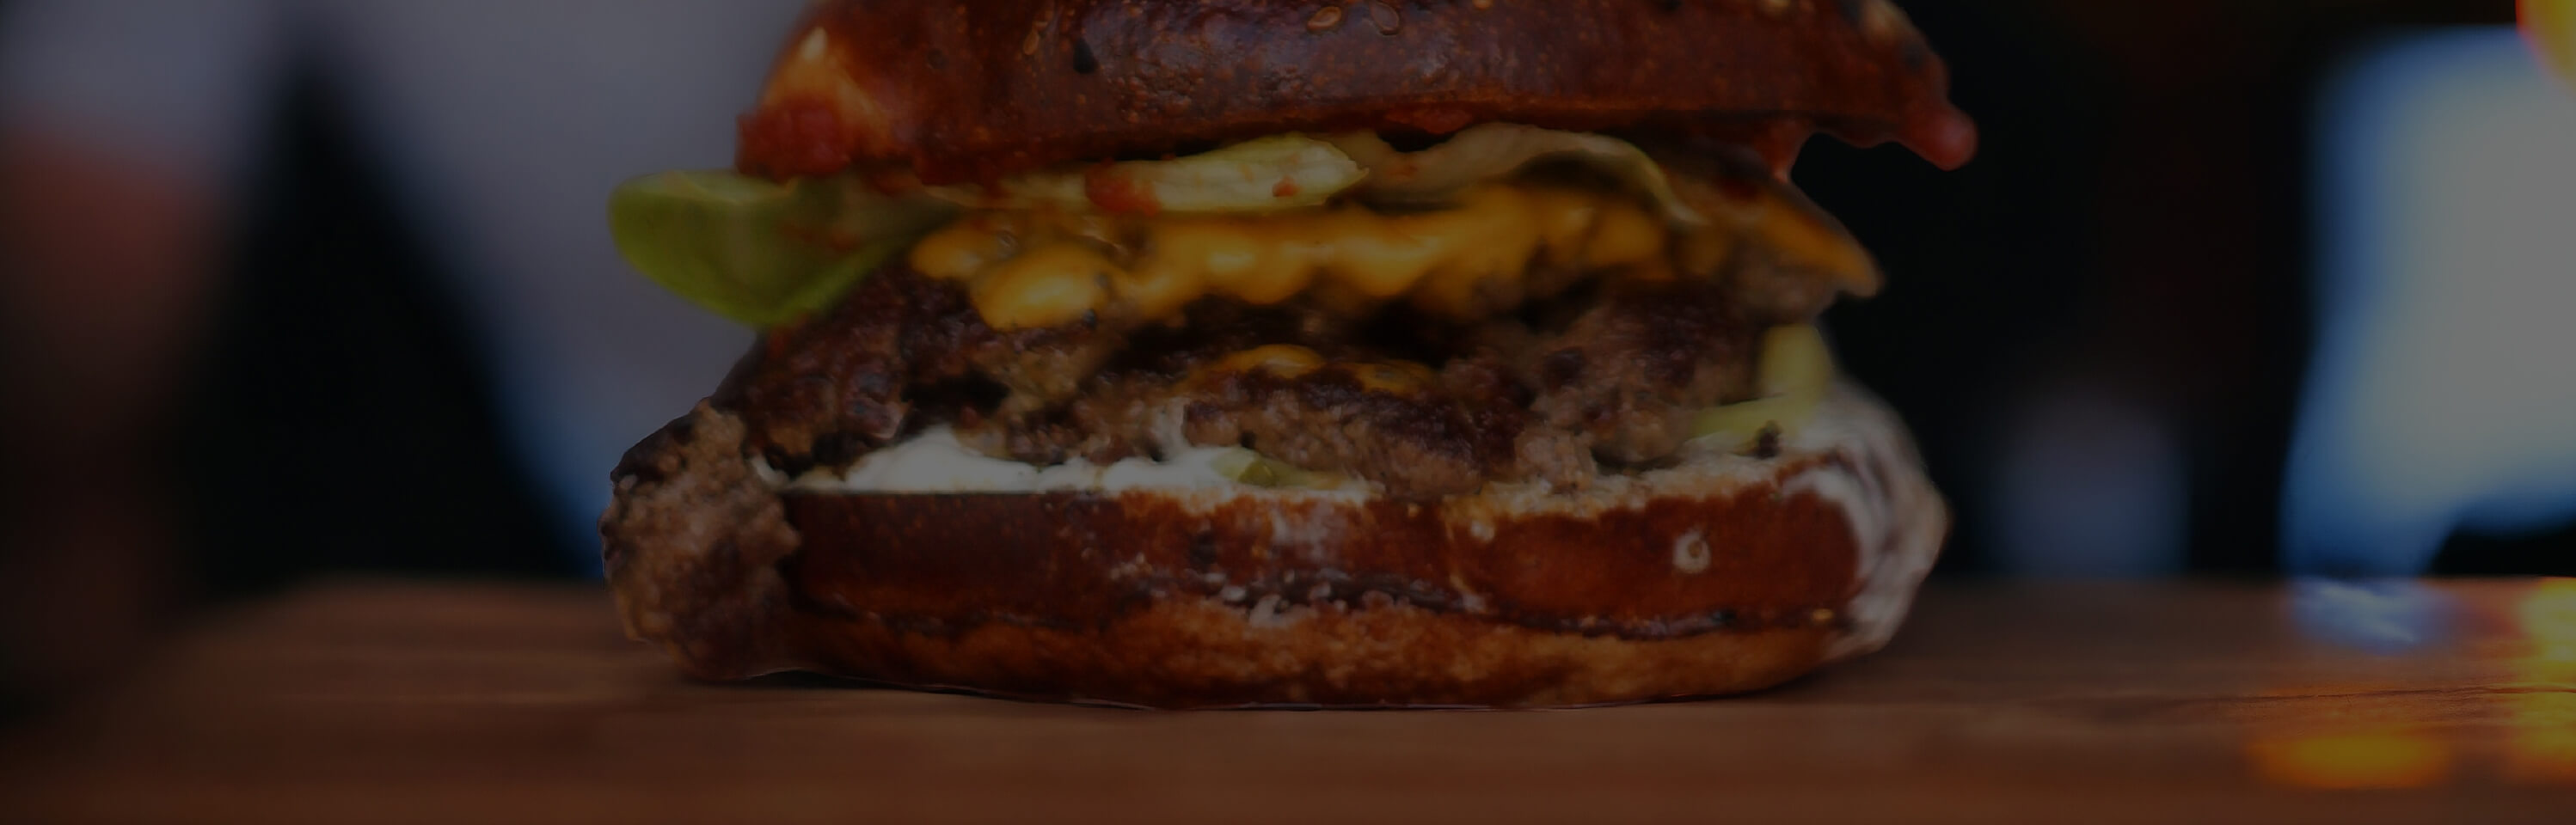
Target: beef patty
1598,380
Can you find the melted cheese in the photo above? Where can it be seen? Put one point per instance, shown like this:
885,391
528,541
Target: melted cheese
1031,269
1469,260
1283,360
1799,240
1395,377
1043,287
1292,361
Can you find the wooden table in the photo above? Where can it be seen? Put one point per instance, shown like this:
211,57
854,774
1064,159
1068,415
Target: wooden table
2002,702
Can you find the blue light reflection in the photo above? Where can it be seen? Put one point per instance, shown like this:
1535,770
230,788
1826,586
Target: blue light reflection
2443,392
2386,616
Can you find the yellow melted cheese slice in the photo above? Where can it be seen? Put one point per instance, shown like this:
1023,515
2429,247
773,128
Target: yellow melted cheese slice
1480,256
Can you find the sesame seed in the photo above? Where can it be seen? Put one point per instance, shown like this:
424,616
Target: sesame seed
1388,20
1325,18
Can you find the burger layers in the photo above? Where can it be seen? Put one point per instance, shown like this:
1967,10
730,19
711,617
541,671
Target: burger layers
1193,354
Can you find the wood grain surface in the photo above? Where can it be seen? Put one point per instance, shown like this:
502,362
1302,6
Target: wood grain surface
408,702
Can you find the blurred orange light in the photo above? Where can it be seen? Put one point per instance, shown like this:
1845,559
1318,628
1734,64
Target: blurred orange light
2551,25
2353,761
2542,748
2548,618
2543,745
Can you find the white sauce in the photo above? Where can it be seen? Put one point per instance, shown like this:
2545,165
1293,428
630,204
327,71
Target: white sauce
935,462
1897,548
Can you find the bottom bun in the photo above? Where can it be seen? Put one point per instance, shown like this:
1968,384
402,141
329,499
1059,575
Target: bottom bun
1721,574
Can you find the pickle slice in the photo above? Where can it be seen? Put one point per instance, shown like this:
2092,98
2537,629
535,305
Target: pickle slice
1269,174
1248,467
1796,369
757,251
1493,151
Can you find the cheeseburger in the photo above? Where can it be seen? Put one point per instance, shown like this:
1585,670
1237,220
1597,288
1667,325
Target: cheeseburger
1198,353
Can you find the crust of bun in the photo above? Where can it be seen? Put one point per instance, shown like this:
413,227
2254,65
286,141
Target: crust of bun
973,91
1722,575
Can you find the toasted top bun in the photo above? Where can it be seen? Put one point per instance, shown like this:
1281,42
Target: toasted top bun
967,91
1724,573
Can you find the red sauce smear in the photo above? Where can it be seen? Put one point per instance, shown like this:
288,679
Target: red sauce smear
1941,134
792,139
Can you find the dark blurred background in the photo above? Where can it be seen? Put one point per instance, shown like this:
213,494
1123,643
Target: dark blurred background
2101,329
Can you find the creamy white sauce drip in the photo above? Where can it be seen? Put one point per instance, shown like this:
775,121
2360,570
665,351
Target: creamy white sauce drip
1896,517
936,462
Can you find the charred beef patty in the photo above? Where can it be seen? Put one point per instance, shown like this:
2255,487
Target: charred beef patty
1420,407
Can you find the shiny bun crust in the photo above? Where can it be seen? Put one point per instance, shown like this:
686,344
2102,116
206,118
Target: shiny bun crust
965,91
1722,575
